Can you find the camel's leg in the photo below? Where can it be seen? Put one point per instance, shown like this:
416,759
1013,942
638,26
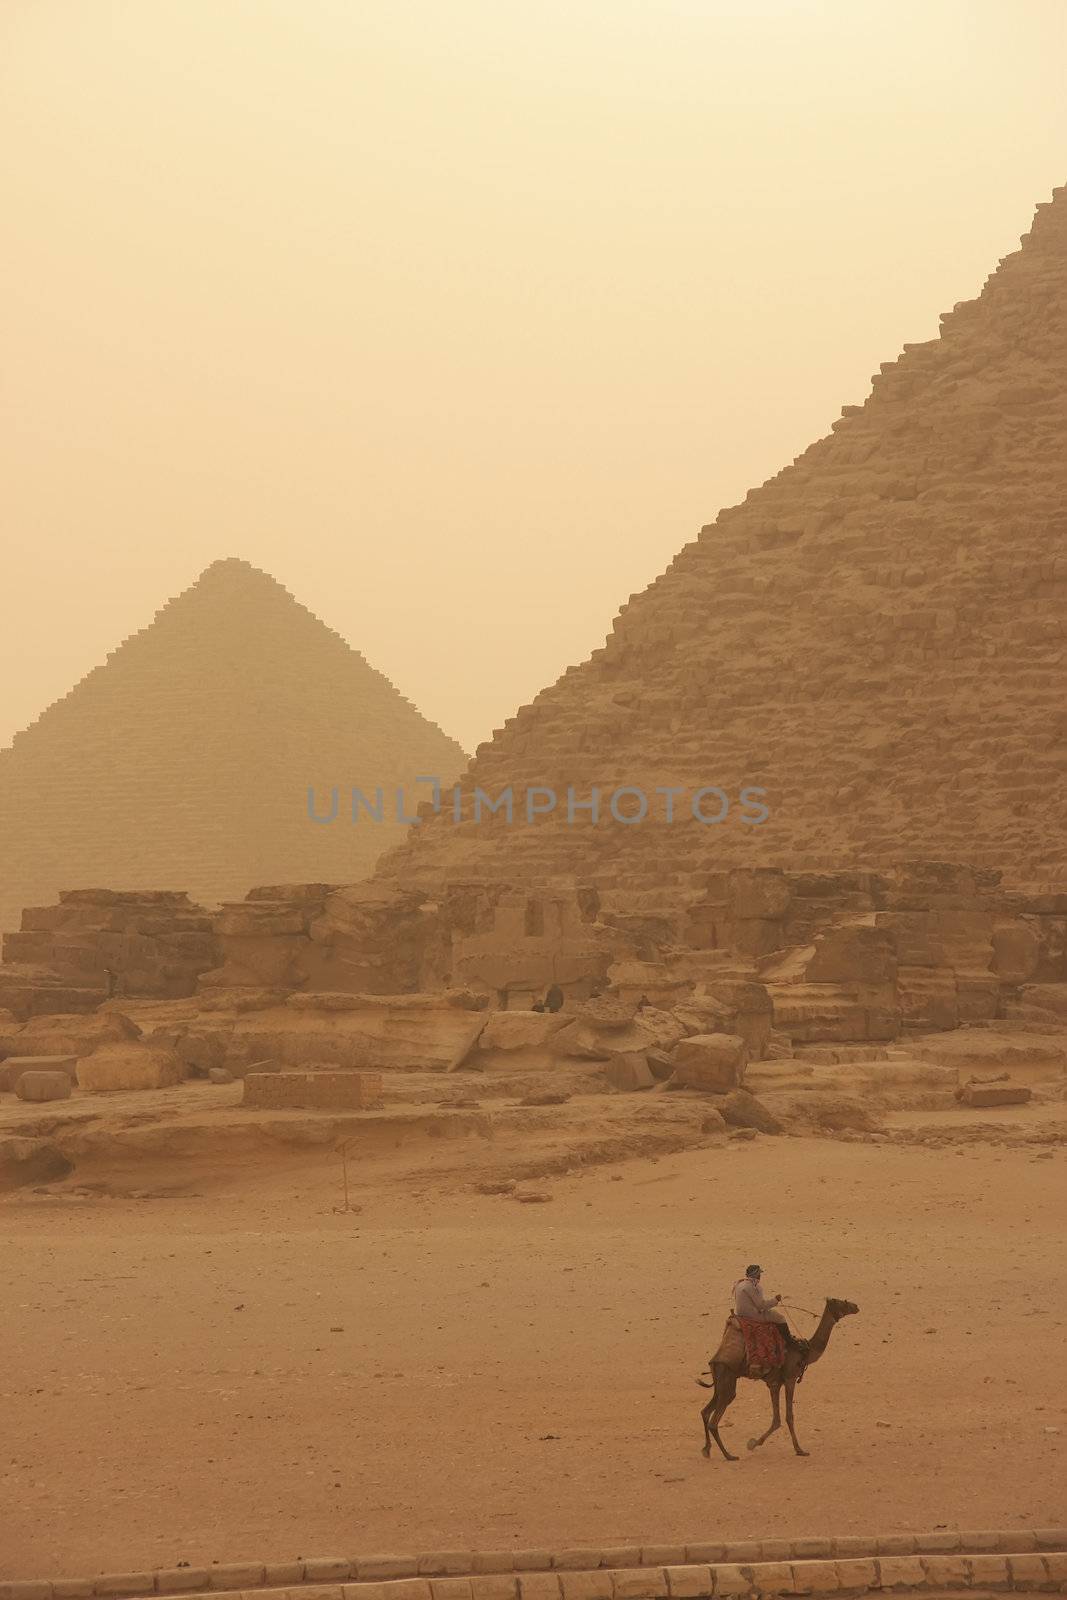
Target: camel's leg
776,1418
790,1386
713,1412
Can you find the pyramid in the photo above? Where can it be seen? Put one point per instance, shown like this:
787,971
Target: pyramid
876,638
184,761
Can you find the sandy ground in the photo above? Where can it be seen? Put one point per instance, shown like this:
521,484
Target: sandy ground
242,1372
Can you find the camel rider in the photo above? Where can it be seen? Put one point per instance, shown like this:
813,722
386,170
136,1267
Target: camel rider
751,1302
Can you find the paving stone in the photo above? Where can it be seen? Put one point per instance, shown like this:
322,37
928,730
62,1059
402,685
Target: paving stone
315,1591
895,1571
1050,1538
539,1586
663,1555
445,1563
640,1583
990,1572
624,1555
812,1549
704,1553
494,1561
400,1589
771,1577
1056,1562
577,1560
120,1583
815,1577
856,1572
73,1588
586,1585
236,1575
744,1553
980,1542
730,1580
895,1544
689,1583
379,1569
946,1572
327,1570
1027,1570
532,1560
451,1589
776,1550
176,1580
936,1543
858,1545
282,1574
494,1586
25,1591
1016,1541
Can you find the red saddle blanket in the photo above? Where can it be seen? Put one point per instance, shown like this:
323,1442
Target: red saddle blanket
764,1344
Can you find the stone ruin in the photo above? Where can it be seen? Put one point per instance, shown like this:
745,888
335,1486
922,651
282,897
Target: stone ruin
876,639
769,976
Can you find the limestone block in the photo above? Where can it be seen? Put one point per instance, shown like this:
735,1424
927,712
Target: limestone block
977,995
411,1032
764,894
629,1071
129,1066
855,953
315,1091
1016,951
76,1035
711,1061
994,1094
43,1086
13,1068
743,1110
1050,997
928,997
521,1030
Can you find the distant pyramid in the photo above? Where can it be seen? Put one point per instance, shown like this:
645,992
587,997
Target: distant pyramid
184,761
877,637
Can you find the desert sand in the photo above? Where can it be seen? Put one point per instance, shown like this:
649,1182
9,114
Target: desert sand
230,1368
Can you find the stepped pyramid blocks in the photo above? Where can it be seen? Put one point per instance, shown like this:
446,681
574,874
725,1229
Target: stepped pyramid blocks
184,761
877,637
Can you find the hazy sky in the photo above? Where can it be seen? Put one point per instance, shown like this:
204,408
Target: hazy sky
460,317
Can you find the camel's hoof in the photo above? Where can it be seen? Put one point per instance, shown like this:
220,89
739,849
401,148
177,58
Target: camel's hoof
706,1451
733,1458
753,1444
803,1452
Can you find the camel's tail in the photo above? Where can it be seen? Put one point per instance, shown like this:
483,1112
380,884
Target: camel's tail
704,1384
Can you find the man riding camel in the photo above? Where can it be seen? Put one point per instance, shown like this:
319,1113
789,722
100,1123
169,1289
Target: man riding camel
752,1305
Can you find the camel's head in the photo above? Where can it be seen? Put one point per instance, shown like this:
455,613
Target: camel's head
841,1308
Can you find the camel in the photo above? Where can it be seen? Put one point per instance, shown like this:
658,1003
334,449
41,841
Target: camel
725,1373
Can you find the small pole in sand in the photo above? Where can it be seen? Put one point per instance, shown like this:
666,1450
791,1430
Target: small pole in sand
342,1150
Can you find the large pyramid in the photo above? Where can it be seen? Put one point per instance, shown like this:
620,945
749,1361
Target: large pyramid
184,761
877,637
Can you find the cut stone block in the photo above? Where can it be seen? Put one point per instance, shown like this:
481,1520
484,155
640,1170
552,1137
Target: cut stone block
43,1086
994,1094
13,1068
710,1061
129,1066
313,1091
629,1071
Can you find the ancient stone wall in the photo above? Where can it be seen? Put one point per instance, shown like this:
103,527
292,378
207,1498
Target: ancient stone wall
99,943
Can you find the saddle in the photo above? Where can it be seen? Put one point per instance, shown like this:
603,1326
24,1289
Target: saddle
764,1345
